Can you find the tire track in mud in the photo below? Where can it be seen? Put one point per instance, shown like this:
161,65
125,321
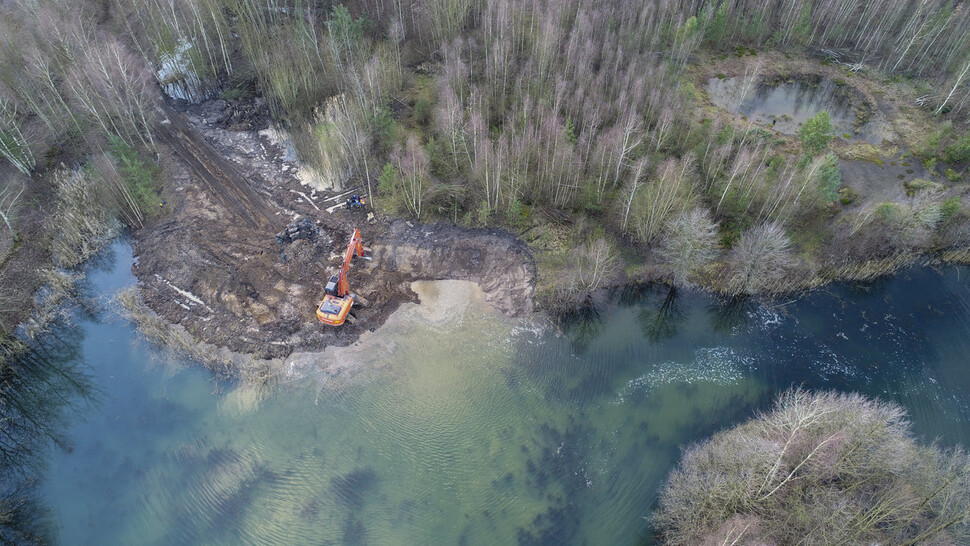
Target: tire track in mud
221,179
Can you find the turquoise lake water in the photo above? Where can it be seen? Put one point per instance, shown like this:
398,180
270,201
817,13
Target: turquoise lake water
463,427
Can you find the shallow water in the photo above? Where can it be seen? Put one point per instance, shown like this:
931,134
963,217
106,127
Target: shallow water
785,106
468,428
180,81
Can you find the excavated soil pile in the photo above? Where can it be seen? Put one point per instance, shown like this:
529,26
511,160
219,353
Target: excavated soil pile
242,250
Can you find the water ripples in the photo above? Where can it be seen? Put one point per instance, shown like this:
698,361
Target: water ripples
465,427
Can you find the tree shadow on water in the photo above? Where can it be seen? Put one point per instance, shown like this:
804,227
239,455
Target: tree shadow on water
41,386
660,322
634,293
582,326
557,469
730,313
24,519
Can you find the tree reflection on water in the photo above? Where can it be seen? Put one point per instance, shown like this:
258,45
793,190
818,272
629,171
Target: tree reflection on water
41,385
660,322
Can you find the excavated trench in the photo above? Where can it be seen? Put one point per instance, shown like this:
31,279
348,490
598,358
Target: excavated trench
240,256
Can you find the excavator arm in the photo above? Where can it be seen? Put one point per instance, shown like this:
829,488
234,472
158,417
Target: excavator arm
356,246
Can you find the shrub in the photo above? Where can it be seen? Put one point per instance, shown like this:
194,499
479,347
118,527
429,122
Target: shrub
930,146
825,468
389,188
958,152
887,211
920,184
422,111
949,208
816,132
518,214
848,195
829,179
386,130
908,226
483,212
232,94
140,176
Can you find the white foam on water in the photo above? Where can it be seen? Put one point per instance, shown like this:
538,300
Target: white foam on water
718,365
764,319
828,363
529,331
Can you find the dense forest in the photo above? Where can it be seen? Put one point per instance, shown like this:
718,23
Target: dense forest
579,125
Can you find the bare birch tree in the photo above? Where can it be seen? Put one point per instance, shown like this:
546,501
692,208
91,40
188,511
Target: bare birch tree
760,259
10,193
14,146
411,162
689,243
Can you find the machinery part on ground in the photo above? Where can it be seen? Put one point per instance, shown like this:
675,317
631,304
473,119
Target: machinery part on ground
304,228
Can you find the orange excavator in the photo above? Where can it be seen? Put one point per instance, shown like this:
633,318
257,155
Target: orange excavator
336,304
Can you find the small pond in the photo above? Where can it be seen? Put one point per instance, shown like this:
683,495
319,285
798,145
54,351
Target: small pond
784,105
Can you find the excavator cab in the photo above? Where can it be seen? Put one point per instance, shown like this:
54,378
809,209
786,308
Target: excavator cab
333,310
331,288
336,304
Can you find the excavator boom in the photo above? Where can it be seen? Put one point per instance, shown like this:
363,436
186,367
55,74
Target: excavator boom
356,246
335,307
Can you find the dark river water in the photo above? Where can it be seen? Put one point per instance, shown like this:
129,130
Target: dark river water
463,427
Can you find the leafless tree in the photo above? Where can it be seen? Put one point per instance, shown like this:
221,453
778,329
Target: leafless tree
689,243
349,123
411,163
589,267
115,88
10,192
14,146
760,258
959,80
666,194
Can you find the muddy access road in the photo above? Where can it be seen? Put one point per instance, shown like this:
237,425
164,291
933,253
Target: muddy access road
241,250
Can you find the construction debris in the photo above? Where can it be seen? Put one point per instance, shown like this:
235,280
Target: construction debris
304,228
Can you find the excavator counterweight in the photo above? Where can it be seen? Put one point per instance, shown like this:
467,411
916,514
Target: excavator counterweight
334,308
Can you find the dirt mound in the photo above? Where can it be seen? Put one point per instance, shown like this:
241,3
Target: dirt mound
242,258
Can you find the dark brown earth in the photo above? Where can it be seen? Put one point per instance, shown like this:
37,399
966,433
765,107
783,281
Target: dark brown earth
212,263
